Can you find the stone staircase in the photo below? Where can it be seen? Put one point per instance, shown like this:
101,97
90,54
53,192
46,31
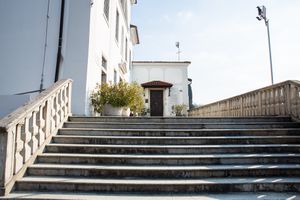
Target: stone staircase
169,155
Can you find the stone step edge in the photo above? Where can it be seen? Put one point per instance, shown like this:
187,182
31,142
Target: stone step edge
166,168
177,130
176,156
183,123
177,138
171,146
178,117
113,196
91,181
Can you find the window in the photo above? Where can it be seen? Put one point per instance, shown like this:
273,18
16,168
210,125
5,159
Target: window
117,25
106,9
104,63
115,77
122,42
130,63
103,77
126,49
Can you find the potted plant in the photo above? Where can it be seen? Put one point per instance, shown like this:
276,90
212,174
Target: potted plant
113,99
179,109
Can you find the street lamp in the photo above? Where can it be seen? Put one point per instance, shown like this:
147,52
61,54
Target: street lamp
262,15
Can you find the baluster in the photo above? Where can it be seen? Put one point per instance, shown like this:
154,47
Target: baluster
65,102
69,98
271,102
26,137
57,110
53,113
41,125
47,115
34,131
277,101
295,100
288,99
259,106
19,146
267,102
281,101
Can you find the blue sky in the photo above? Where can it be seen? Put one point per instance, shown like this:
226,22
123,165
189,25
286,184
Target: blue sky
225,42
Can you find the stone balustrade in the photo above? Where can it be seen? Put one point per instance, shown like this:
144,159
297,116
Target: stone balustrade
25,132
279,99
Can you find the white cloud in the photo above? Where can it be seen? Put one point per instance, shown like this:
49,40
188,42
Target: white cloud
166,18
185,15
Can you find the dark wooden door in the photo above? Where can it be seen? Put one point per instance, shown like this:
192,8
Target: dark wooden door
156,103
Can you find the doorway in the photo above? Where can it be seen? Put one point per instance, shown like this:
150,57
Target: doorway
156,103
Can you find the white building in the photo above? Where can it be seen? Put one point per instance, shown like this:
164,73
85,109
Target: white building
165,83
42,41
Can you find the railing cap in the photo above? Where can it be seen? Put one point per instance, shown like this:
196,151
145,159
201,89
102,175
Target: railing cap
16,116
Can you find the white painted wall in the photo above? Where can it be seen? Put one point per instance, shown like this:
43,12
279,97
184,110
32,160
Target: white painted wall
104,43
22,44
75,51
86,37
171,72
9,103
84,47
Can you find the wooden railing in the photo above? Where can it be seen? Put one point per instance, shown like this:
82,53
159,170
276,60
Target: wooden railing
25,132
279,99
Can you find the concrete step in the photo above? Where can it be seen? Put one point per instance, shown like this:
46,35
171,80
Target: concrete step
172,149
179,132
167,172
237,184
152,125
179,160
180,119
143,140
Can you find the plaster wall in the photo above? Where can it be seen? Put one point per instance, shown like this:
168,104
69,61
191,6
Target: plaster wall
28,48
9,103
172,72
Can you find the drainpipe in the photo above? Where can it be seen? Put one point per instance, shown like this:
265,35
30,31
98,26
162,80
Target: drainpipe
61,28
45,49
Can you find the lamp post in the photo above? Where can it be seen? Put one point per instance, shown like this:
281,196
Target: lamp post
262,15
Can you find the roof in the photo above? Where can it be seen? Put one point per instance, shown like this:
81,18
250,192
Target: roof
157,84
187,62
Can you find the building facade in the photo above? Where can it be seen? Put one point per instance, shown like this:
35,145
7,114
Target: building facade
89,41
165,84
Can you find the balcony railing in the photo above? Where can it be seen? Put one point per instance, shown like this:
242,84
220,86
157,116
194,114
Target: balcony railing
281,99
25,132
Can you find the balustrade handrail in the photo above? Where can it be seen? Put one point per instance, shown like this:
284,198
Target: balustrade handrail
14,117
25,132
278,99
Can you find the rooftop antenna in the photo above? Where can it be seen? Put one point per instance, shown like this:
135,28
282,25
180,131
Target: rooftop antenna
177,44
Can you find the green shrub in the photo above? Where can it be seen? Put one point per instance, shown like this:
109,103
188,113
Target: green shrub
118,95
